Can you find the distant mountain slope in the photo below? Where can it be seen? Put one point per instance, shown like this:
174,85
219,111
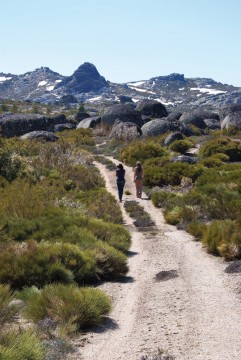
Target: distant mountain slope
86,84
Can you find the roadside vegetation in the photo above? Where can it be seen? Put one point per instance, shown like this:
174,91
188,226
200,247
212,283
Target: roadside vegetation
61,233
203,198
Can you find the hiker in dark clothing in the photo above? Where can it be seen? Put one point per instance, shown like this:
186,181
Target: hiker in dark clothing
120,180
138,177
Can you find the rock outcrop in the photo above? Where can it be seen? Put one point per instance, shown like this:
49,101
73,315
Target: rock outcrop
152,108
85,79
90,122
122,112
41,135
125,131
19,124
157,127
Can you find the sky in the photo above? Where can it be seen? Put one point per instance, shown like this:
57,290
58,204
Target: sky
127,40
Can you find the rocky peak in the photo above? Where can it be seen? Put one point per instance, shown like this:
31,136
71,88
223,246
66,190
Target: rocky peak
171,77
85,79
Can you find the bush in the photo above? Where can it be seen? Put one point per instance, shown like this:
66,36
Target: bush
21,346
181,146
40,264
223,238
221,145
7,310
71,307
9,165
101,204
197,229
139,150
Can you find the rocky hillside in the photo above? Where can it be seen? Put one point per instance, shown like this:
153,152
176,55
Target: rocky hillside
87,85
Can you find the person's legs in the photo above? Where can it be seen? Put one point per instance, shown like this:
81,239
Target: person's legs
120,186
138,188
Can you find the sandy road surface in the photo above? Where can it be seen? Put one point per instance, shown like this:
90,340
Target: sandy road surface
194,315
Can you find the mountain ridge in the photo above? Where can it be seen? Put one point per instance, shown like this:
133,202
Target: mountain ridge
87,85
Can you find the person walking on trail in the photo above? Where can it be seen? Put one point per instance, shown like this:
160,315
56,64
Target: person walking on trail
120,180
138,177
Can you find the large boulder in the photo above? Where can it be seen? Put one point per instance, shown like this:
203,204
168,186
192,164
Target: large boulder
229,110
90,122
185,158
62,127
125,131
193,118
19,124
40,135
174,115
122,112
232,120
81,116
213,124
125,99
173,137
152,108
157,127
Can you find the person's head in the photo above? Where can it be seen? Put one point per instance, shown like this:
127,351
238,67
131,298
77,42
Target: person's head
138,163
120,166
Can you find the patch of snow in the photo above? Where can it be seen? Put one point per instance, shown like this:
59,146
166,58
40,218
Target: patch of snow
58,81
95,99
137,83
50,88
164,102
141,90
208,91
3,78
135,100
42,83
182,89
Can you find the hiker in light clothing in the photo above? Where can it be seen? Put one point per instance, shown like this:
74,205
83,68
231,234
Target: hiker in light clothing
138,177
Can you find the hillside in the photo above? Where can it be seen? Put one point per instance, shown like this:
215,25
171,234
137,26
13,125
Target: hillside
87,85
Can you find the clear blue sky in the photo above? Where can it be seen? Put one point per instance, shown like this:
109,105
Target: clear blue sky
127,40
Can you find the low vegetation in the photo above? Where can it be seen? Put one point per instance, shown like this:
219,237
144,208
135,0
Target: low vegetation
188,194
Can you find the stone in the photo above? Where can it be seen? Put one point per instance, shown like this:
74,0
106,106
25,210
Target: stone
232,119
157,127
152,108
173,137
90,122
62,127
125,131
42,135
19,124
184,158
122,112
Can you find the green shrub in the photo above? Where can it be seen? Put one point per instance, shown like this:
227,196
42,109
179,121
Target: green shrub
162,198
170,173
139,150
197,229
22,345
222,145
173,216
40,264
101,204
7,310
110,261
69,305
181,146
10,164
59,225
223,238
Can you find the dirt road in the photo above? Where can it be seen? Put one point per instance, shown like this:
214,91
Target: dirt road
191,309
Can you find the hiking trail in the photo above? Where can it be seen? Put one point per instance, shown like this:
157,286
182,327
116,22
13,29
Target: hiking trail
176,297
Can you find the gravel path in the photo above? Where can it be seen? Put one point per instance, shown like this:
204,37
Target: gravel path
176,297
